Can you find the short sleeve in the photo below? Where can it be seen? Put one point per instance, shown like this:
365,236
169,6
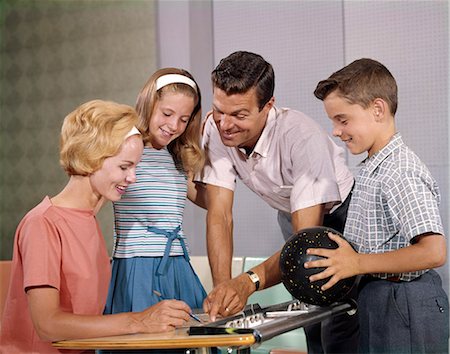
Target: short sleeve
40,251
314,180
413,205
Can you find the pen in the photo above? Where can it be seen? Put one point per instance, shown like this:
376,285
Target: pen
195,317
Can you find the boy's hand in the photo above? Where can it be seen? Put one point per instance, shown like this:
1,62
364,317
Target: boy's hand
340,263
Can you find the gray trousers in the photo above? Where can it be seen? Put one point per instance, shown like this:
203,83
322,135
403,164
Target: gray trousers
403,317
338,334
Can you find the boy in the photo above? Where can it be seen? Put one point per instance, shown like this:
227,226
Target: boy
393,220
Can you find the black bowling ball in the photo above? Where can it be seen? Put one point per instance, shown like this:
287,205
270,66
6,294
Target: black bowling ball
295,276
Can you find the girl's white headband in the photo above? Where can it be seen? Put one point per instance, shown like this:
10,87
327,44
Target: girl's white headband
174,79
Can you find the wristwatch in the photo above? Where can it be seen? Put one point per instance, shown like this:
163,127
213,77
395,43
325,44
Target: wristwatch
254,278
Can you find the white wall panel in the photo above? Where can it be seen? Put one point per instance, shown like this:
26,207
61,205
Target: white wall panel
302,40
411,38
306,41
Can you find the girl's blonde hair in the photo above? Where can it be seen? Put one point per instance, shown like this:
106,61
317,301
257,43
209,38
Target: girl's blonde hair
186,148
93,132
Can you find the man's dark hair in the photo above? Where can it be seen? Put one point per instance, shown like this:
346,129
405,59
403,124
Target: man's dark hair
242,71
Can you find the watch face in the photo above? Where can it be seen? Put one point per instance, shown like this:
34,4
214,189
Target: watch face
254,278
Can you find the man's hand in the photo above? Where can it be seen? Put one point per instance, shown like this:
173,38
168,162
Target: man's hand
340,263
229,297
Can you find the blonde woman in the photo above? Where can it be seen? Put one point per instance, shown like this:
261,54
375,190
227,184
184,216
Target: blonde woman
61,269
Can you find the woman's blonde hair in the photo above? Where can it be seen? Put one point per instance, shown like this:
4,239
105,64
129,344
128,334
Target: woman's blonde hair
91,133
186,148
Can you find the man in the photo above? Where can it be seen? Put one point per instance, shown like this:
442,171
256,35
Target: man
290,162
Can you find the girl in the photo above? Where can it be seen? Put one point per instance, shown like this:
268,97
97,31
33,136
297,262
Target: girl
150,260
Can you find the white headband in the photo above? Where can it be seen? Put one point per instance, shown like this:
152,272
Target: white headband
133,131
174,79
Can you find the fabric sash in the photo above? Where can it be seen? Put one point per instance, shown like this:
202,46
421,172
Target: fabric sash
171,236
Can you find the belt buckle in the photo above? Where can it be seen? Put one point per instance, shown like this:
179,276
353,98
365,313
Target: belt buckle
394,278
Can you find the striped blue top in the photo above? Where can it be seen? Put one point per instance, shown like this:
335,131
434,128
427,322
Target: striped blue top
157,201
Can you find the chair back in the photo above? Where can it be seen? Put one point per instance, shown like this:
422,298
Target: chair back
201,267
5,273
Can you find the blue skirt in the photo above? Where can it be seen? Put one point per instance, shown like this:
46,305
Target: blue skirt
134,280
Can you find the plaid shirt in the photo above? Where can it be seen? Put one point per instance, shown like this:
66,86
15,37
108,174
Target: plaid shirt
395,199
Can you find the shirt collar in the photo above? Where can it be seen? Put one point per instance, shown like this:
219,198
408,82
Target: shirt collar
371,163
264,141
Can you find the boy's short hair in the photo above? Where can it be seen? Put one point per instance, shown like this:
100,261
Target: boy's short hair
361,82
91,133
241,71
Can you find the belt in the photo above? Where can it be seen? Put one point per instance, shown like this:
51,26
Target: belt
171,236
394,278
